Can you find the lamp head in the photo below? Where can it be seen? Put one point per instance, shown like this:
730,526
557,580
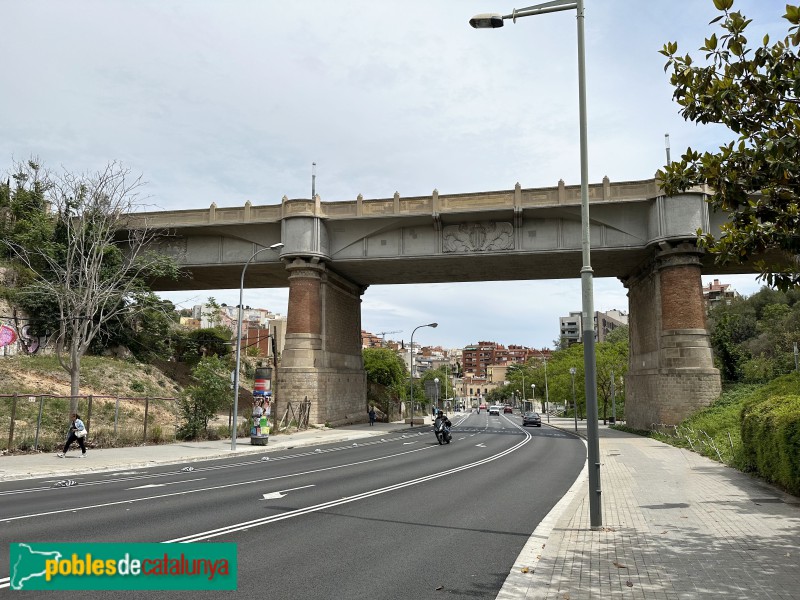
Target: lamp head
487,21
572,370
433,325
277,246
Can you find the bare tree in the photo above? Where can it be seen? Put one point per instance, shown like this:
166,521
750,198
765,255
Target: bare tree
101,261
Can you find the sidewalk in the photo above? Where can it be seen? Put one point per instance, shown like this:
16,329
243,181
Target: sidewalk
676,525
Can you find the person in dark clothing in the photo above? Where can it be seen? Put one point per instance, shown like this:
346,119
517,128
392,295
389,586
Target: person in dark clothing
371,415
77,433
441,417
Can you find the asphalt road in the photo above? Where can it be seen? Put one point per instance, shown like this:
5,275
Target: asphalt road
388,518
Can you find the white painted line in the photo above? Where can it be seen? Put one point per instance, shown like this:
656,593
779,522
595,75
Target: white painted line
215,487
282,493
155,485
205,535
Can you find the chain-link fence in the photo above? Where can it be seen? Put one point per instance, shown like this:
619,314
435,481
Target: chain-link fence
41,422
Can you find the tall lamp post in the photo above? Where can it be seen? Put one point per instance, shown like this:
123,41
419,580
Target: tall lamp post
490,21
574,405
277,246
436,393
533,396
411,366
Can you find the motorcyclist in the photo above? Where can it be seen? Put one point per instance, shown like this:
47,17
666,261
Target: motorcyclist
440,416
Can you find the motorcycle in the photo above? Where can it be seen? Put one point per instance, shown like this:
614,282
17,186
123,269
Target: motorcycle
442,431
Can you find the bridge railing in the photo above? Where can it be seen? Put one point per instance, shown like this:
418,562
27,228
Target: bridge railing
561,194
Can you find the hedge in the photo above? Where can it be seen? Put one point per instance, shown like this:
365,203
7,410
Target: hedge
771,435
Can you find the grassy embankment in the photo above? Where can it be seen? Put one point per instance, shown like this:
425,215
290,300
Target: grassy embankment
105,379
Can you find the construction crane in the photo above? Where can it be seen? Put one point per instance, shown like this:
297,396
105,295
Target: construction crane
383,335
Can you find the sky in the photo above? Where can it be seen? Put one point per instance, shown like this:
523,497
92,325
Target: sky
229,101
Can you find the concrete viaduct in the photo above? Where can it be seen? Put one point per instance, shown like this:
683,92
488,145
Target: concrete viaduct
334,250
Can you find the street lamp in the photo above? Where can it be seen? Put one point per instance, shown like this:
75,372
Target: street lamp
411,366
491,21
436,395
574,405
277,246
533,396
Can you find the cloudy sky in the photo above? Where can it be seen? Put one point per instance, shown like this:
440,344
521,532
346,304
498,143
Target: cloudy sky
229,101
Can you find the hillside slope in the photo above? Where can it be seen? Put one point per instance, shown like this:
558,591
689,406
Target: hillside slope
100,376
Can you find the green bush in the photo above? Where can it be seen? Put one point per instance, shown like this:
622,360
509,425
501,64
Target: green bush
771,434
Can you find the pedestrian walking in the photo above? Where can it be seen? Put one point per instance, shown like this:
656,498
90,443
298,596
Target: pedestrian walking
77,433
371,416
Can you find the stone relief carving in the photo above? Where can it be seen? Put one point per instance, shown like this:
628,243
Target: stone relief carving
173,246
484,236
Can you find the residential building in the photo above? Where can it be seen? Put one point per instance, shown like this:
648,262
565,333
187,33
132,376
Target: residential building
370,340
476,358
718,293
571,326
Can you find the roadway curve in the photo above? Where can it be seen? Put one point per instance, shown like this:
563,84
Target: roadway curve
385,518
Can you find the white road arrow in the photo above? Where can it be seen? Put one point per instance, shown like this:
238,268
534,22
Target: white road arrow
282,493
155,485
480,445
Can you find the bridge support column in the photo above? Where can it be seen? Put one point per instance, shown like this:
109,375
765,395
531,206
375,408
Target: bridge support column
322,360
671,370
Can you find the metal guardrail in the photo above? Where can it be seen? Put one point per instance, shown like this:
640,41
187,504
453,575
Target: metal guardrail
40,421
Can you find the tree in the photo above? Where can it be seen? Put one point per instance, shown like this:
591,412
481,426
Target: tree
730,325
96,263
25,222
752,91
386,374
383,366
612,361
208,394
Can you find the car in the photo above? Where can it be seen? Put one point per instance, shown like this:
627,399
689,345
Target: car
507,409
481,407
494,410
531,418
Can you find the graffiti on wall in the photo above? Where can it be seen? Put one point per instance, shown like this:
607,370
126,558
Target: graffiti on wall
7,335
28,342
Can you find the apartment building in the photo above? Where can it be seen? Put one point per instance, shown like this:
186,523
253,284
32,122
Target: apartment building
571,326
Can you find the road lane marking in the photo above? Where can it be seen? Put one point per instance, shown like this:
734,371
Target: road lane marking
205,535
215,487
155,485
282,493
196,469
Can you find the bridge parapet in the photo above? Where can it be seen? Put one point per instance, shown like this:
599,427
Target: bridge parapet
436,203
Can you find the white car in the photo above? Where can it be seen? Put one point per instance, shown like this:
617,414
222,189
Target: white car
495,410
